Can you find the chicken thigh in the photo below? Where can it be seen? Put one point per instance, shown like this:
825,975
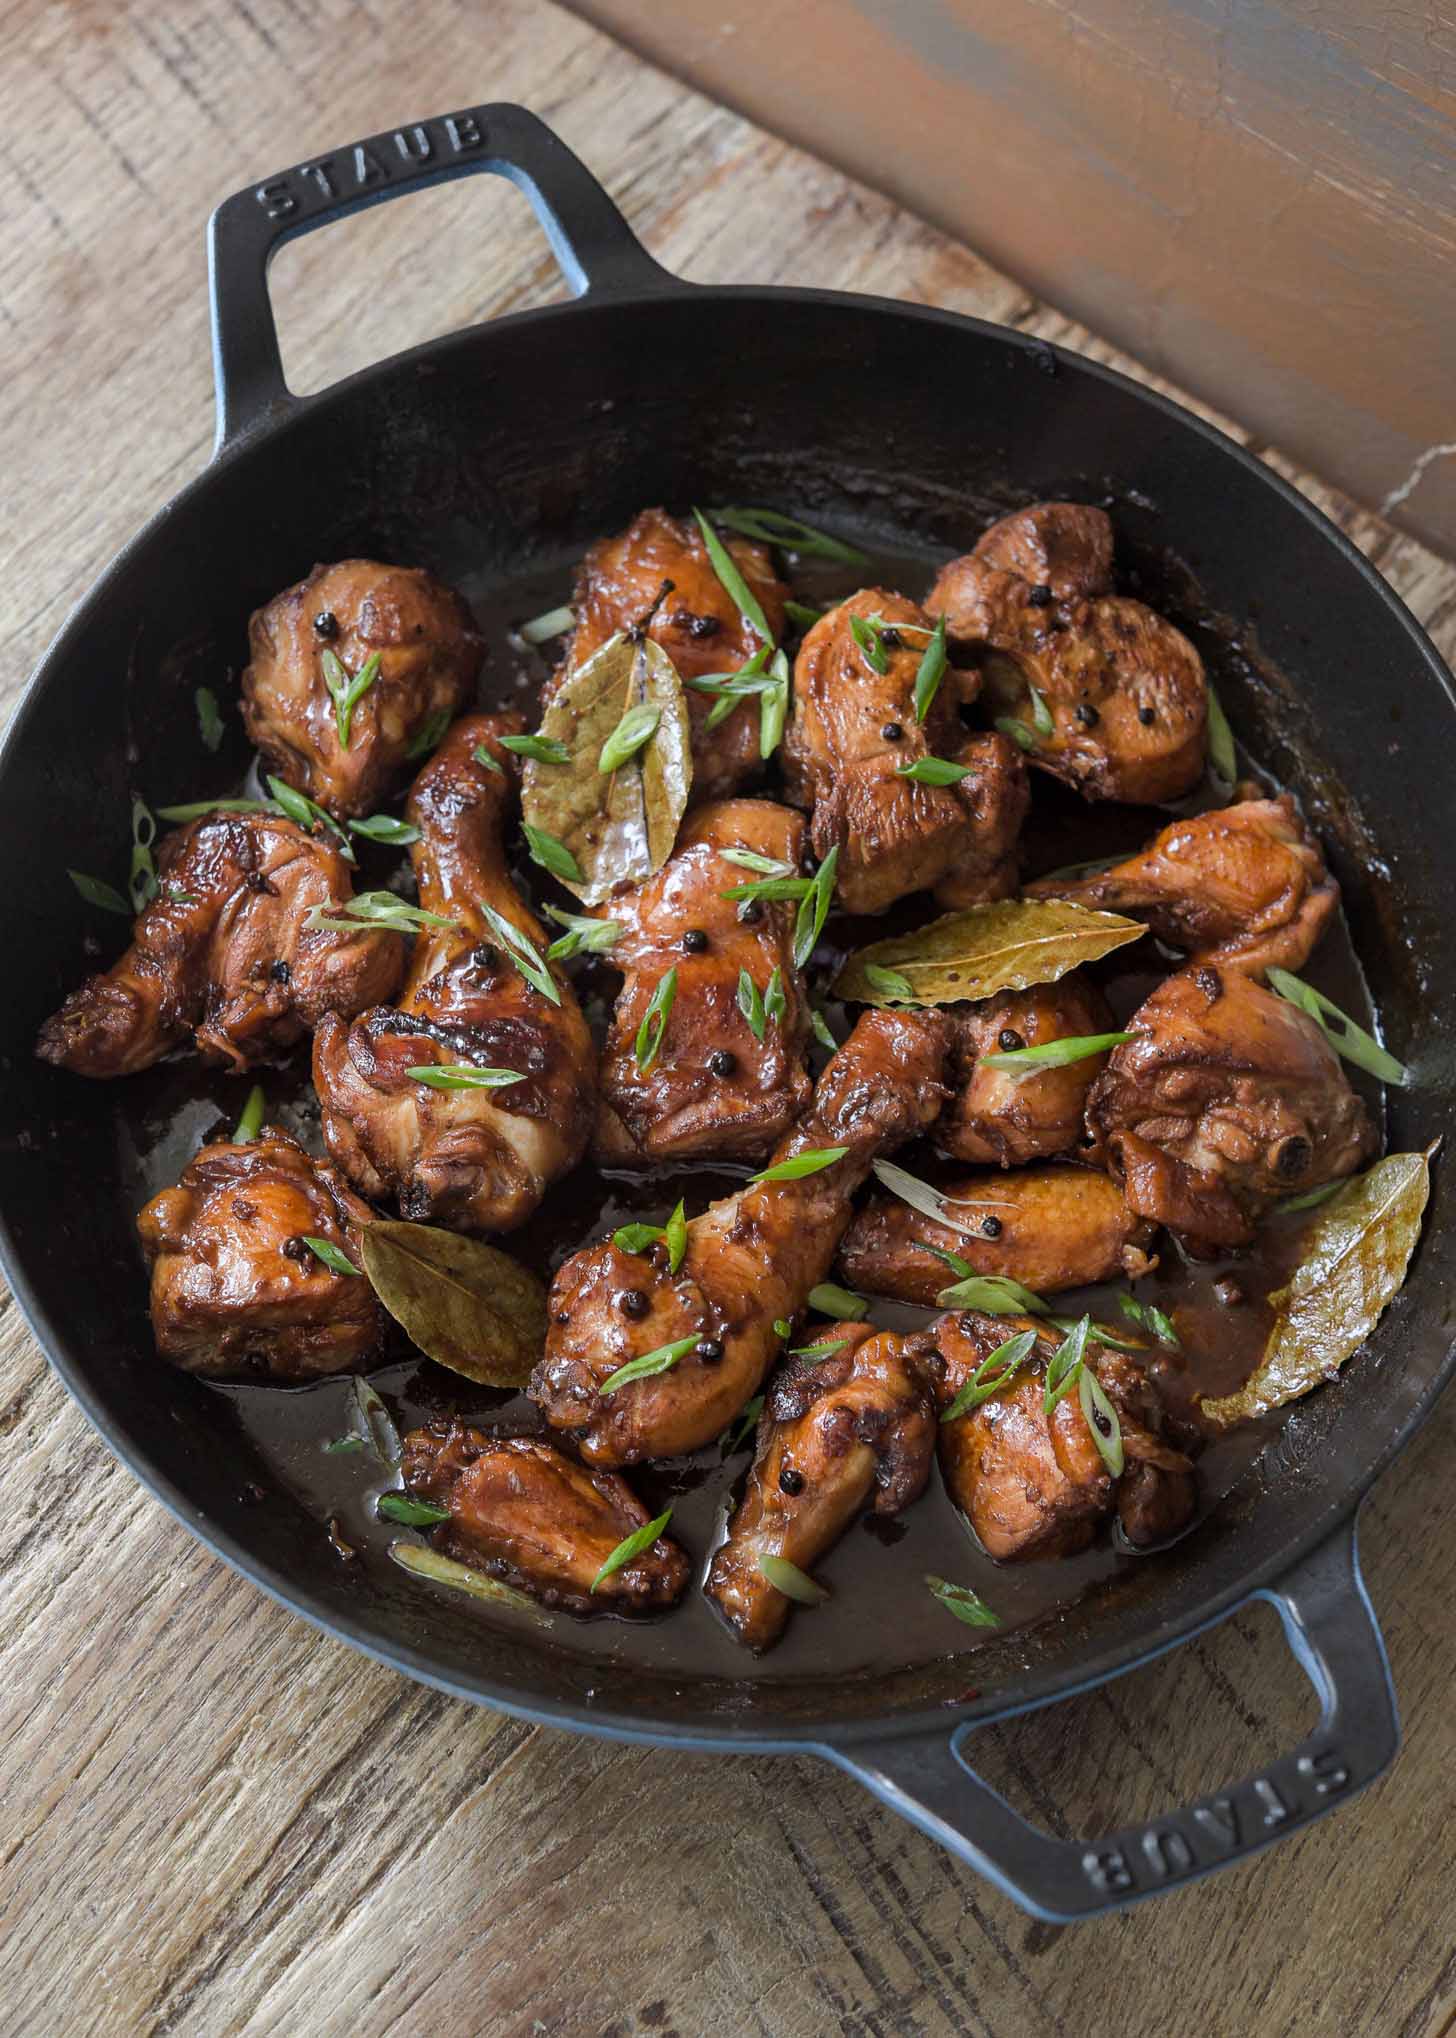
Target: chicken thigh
475,1158
750,1261
851,738
398,640
853,1429
697,624
1245,885
522,1512
998,1117
225,953
236,1289
1228,1099
1124,690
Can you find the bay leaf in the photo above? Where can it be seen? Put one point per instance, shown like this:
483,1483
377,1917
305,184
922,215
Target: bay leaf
1358,1250
619,825
1007,945
467,1305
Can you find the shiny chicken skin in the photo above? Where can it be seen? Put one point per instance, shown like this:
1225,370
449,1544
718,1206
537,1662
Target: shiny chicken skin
476,1160
854,1430
1246,886
1228,1100
696,623
1035,1485
224,954
236,1292
997,1117
424,638
852,726
522,1512
750,1259
1125,691
713,1090
1049,1227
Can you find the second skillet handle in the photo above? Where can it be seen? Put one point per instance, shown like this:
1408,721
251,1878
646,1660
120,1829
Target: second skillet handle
597,250
1333,1633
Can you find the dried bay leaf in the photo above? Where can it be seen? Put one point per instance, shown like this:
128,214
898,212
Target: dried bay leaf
467,1305
1007,945
1358,1250
619,825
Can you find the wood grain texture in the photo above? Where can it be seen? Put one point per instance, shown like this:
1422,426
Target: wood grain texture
212,1820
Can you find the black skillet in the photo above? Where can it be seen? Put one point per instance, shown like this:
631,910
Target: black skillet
504,448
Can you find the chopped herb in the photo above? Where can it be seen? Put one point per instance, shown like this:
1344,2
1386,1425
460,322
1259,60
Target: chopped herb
773,708
441,1570
933,771
661,1361
341,1444
676,1234
931,671
632,1546
635,1238
1221,754
209,721
1041,714
1101,1418
337,1262
822,1034
829,1300
814,910
428,736
966,1605
995,1371
195,809
583,934
309,815
385,828
552,854
480,755
819,1351
1054,1054
522,952
733,1436
798,1165
654,1021
1102,1333
1347,1039
752,677
1017,731
372,909
541,749
1065,1364
462,1075
770,527
864,633
1148,1316
771,888
1309,1199
96,892
774,1002
637,726
750,1004
739,592
347,689
143,880
889,983
793,1583
783,1326
993,1294
932,1203
551,623
403,1507
251,1120
749,859
802,613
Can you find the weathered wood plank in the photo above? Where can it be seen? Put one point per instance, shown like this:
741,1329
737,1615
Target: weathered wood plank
214,1820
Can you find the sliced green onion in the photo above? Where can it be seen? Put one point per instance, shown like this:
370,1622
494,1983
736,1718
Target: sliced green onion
1017,731
1101,1420
738,590
441,1570
814,910
481,756
770,527
523,953
1066,1364
584,934
783,1327
337,1262
550,623
675,1231
1309,1199
802,613
800,1164
751,677
773,708
385,828
829,1300
541,749
966,1605
462,1075
632,1546
428,736
635,1238
1102,1333
992,1294
1148,1316
995,1371
1055,1054
1221,754
195,809
210,725
251,1121
347,689
1347,1039
819,1351
660,1361
770,888
733,1436
931,1203
373,909
308,815
793,1583
552,854
1041,714
864,633
889,983
637,726
931,671
654,1021
820,1027
412,1513
750,1004
749,859
774,1002
933,771
96,892
340,1445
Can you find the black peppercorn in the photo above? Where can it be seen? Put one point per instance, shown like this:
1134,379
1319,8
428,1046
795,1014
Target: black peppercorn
750,912
891,639
721,1062
1040,596
1009,1040
892,732
990,1227
485,957
695,941
326,625
791,1481
1087,715
1229,1292
709,1350
632,1302
298,1250
1147,716
279,971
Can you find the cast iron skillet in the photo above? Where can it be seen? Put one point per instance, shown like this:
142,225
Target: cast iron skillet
525,439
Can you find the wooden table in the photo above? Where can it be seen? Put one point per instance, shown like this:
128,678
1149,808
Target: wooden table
212,1819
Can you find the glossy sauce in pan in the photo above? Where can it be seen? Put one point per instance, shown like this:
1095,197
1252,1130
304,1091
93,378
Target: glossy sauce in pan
880,1615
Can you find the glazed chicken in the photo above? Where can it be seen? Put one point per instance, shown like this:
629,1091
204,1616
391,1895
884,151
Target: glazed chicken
1033,1485
998,1117
236,1290
309,643
474,1159
852,1430
697,624
1125,691
1048,1227
522,1512
714,1089
1246,885
1229,1099
225,954
751,1259
851,734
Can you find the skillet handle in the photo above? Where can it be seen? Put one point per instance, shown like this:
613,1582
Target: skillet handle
1333,1633
597,250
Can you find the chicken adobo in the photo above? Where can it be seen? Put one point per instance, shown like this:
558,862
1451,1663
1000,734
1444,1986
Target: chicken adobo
1103,1116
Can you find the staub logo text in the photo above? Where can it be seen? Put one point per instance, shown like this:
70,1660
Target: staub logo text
387,159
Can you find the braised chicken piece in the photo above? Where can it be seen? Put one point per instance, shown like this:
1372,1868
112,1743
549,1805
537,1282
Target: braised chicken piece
225,953
715,1089
1035,1485
1048,1227
1000,1117
852,733
1125,691
854,1429
751,1259
237,1291
1228,1100
405,641
522,1512
476,1159
1246,885
697,624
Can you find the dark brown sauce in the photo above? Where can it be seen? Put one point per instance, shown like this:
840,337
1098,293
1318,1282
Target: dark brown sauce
878,1616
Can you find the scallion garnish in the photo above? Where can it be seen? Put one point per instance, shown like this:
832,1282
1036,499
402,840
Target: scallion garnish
1309,1199
550,623
889,983
583,935
802,613
372,909
637,726
864,633
194,810
966,1605
782,1327
632,1546
96,892
793,1583
648,1043
931,671
337,1262
1101,1418
774,1002
800,1164
635,1238
829,1300
933,771
992,1294
733,1436
541,749
749,859
819,1351
411,1513
750,1004
462,1075
932,1203
994,1372
339,1445
675,1232
552,854
347,689
522,952
428,736
209,721
651,1363
771,527
814,909
739,592
773,707
1148,1316
752,677
481,756
1041,714
1344,1036
442,1570
250,1122
1065,1364
820,1027
1054,1054
385,828
1221,753
770,888
1017,731
309,815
